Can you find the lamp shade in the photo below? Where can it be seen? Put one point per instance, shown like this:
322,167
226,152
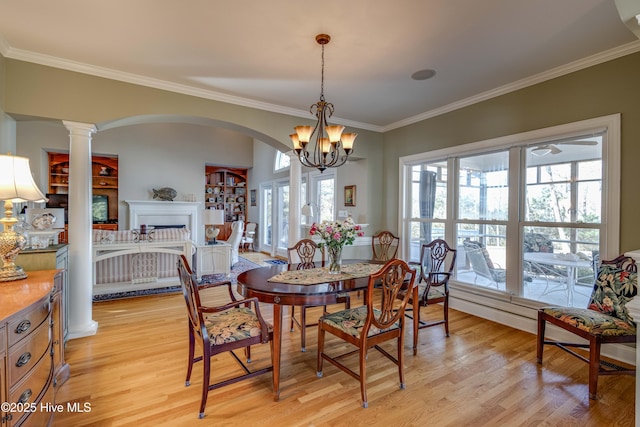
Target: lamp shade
213,217
16,182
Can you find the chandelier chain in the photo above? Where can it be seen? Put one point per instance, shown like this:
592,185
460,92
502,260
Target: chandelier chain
322,146
322,77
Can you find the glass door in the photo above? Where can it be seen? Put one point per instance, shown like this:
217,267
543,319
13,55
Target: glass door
266,217
282,218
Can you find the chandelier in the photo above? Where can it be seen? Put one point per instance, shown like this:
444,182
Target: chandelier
332,147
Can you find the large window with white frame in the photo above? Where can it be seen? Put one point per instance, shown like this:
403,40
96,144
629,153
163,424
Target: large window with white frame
282,162
530,214
323,196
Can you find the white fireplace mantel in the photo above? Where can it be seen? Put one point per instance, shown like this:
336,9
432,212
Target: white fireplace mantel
155,212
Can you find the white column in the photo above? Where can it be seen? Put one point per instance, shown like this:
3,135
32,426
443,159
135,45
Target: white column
295,205
634,310
80,289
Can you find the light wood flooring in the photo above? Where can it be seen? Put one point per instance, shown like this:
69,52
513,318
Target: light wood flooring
485,374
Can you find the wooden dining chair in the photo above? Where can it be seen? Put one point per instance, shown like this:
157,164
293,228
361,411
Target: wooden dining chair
384,246
381,319
301,256
437,261
605,320
234,325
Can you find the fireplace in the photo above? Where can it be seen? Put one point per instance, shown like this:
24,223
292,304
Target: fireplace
166,214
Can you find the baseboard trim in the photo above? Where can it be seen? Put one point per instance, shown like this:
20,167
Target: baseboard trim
526,319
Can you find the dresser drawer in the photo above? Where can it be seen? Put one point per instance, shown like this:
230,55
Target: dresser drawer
24,355
23,325
31,386
37,418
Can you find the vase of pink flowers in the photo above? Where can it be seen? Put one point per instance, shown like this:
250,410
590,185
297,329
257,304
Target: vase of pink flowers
334,235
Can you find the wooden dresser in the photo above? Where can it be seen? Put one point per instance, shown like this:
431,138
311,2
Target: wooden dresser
32,364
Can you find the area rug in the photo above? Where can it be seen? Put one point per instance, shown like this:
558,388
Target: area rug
275,261
242,265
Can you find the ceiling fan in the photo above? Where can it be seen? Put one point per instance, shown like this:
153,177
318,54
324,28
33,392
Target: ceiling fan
544,149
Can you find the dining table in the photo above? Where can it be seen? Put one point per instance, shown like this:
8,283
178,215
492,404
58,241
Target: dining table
285,285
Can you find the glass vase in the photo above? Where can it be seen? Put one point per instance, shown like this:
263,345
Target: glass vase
335,259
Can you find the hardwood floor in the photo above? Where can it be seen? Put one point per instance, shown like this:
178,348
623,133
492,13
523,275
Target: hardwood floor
485,374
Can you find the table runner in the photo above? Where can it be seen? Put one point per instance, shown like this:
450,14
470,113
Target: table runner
313,276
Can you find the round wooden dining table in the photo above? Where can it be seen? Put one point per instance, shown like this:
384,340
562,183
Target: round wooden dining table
255,283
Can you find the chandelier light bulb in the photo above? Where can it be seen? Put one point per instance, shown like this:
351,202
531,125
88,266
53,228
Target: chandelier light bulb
348,140
334,132
304,133
296,142
326,145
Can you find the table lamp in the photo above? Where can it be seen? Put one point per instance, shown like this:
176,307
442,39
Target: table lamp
16,185
211,218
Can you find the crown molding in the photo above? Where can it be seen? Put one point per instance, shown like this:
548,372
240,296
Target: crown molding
108,73
590,61
4,46
7,51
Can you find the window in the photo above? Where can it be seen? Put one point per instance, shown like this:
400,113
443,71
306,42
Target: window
562,219
323,194
529,213
282,162
428,204
266,215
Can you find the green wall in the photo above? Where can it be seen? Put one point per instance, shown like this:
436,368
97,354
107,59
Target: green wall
612,87
608,88
34,90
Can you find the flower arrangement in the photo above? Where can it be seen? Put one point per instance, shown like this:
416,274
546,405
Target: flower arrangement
336,233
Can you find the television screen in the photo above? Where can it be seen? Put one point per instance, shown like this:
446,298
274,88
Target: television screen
100,208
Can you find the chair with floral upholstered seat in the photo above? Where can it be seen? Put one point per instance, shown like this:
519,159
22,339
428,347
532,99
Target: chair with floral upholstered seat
437,261
606,320
234,325
301,256
384,246
381,319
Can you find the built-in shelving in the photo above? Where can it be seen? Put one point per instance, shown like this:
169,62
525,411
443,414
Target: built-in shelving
226,189
104,178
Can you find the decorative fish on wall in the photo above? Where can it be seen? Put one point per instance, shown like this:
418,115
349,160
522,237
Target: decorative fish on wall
165,193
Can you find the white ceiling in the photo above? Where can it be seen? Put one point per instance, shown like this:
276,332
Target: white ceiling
264,54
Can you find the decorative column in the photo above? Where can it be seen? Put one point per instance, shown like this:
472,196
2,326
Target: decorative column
80,289
295,206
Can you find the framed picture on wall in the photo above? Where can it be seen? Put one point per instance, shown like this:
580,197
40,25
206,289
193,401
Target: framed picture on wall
349,195
253,197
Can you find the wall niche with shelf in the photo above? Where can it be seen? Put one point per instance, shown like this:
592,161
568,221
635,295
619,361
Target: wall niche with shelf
226,188
104,178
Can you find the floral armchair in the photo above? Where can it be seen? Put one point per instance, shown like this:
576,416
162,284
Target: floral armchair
605,320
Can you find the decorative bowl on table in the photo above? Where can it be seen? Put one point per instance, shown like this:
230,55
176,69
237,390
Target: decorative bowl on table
43,221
